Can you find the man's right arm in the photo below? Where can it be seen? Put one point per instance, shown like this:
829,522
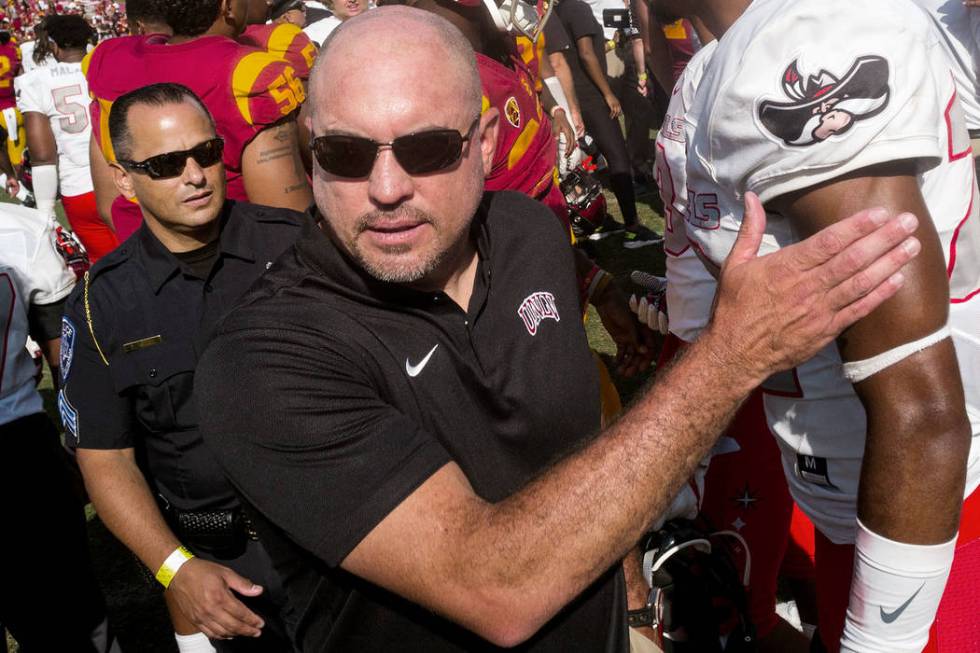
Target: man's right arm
99,426
126,505
541,547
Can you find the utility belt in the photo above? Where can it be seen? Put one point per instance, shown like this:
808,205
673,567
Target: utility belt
219,533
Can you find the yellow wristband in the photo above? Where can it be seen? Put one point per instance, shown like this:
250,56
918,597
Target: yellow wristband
172,565
642,77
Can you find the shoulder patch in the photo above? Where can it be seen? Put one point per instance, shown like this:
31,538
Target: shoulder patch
824,105
67,347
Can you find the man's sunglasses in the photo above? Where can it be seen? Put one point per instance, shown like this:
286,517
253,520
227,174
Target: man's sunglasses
172,164
353,157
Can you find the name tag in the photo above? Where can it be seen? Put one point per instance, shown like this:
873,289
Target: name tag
142,343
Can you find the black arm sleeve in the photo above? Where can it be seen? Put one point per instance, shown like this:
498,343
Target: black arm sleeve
44,320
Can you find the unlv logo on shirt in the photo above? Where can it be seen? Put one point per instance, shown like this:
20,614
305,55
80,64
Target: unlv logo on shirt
537,307
823,105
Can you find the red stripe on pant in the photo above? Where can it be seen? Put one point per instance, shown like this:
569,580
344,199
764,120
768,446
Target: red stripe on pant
83,216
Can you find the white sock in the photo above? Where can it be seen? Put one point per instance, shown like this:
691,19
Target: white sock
196,643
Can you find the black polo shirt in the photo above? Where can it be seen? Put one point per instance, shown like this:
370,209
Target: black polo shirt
334,396
152,315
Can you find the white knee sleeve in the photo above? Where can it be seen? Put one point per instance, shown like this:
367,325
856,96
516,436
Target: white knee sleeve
196,643
895,593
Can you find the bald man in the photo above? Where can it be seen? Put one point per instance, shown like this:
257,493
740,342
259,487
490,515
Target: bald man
407,402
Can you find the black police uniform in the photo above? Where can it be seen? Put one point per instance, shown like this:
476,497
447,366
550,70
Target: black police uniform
139,324
334,396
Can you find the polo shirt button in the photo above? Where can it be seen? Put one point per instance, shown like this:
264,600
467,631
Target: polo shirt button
153,372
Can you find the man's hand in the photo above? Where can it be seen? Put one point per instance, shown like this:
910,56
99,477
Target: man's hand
12,186
651,306
634,341
561,127
806,293
614,107
579,124
203,590
641,84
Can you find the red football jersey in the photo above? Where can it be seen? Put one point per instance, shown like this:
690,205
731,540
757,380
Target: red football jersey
283,40
9,67
526,151
245,89
531,55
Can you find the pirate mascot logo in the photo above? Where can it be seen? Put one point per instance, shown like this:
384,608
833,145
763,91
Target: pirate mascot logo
823,105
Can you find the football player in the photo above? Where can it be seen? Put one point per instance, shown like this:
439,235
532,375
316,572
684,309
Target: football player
253,95
280,37
12,120
145,17
54,101
822,108
53,572
744,489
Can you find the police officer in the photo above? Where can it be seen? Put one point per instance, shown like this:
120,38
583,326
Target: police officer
140,319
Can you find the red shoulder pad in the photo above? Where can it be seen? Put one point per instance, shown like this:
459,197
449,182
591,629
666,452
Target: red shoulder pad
265,87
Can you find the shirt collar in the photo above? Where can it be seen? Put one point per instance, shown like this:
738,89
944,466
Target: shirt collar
347,278
235,239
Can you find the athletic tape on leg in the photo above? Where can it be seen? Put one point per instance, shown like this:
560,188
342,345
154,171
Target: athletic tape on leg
860,370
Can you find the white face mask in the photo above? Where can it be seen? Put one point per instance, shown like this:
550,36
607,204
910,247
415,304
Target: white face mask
519,17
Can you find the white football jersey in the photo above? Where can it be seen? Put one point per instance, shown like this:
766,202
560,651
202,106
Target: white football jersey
960,29
27,57
690,287
60,92
31,273
800,92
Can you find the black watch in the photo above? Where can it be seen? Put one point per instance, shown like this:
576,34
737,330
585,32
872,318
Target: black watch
641,618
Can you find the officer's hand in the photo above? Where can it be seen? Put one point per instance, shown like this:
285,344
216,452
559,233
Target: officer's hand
203,591
634,341
774,312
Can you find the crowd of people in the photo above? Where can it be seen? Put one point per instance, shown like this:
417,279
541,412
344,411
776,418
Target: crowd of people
20,17
317,328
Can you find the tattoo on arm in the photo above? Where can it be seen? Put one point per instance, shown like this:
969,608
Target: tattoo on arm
275,153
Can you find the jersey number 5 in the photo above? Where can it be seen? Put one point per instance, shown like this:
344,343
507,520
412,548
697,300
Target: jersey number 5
74,116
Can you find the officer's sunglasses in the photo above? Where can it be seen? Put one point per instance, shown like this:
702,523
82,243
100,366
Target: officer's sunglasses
172,164
420,153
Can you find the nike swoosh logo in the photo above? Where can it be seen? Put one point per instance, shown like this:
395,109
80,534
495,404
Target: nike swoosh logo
415,370
889,617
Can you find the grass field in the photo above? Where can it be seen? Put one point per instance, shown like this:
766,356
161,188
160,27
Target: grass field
135,604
